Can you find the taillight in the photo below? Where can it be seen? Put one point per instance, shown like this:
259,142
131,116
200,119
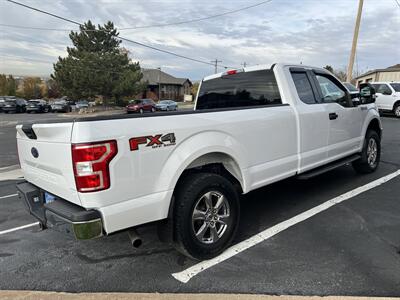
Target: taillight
90,162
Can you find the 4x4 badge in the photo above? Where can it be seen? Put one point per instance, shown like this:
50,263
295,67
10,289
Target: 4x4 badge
156,141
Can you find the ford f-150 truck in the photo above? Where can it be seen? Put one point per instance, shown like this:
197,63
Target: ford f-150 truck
186,170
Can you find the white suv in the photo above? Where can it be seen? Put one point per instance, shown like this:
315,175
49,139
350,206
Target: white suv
388,96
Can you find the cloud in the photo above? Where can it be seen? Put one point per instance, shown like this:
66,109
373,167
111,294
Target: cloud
313,32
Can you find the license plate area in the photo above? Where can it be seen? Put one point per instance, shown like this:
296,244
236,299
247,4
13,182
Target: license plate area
48,198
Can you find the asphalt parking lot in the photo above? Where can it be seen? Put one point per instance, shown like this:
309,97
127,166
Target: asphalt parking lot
352,248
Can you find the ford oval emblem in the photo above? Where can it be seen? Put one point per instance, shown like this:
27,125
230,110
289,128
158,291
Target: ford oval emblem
35,152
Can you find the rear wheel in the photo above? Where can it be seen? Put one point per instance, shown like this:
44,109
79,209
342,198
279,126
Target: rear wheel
141,110
370,155
153,109
206,215
396,110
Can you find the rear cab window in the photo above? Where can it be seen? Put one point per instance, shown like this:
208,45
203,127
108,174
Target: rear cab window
243,89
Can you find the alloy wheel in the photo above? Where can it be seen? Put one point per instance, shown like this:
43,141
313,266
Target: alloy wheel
372,152
210,217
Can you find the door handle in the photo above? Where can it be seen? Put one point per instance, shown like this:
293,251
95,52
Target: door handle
333,116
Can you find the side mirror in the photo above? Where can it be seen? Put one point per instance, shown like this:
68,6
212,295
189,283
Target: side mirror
367,93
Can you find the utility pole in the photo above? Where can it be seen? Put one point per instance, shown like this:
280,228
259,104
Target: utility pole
244,64
159,83
354,45
216,61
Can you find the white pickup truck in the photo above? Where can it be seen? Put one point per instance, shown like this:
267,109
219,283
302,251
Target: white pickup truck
388,97
250,127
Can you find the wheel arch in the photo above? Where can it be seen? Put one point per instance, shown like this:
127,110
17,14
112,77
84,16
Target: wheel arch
395,104
375,125
210,151
214,162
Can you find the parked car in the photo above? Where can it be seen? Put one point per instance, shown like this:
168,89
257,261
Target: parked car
250,128
140,106
167,105
3,99
37,106
82,104
388,97
61,106
14,105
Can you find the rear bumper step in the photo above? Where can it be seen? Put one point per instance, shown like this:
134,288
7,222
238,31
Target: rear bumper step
60,214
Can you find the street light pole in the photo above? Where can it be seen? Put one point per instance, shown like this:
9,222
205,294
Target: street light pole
354,45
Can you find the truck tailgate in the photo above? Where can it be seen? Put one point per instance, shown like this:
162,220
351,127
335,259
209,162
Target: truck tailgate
44,152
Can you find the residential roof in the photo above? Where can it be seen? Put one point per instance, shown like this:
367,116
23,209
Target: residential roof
155,76
395,68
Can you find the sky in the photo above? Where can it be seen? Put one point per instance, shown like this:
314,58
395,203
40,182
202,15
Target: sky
312,32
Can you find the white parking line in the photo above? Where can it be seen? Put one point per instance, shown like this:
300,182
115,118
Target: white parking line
18,228
8,196
189,273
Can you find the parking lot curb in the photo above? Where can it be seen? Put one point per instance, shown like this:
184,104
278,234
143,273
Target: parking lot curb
35,295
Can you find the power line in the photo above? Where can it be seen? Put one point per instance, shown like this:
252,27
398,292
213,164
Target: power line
397,2
136,27
118,37
199,19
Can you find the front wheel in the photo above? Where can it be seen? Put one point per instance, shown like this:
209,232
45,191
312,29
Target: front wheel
370,155
141,111
206,215
153,109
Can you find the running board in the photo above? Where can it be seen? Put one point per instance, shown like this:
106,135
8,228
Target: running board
328,167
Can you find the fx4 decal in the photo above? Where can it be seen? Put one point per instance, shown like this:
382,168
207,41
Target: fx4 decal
157,141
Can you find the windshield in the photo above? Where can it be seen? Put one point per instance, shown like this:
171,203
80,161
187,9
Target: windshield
60,102
395,86
350,87
164,102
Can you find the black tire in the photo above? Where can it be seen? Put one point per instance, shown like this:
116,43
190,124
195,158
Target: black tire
153,109
141,111
396,110
189,195
364,165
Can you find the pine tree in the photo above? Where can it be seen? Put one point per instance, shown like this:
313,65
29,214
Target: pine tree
97,65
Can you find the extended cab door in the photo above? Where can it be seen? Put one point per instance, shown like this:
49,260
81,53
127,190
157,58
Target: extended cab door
345,119
313,121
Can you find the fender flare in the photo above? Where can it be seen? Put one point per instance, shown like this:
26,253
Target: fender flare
204,143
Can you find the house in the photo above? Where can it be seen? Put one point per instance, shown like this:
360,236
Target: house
161,85
389,74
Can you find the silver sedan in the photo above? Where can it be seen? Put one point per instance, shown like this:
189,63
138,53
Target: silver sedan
167,105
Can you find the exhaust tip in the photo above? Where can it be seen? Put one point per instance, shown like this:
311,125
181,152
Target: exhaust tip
135,239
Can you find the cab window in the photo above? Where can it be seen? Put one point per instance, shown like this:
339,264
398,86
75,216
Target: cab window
303,87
